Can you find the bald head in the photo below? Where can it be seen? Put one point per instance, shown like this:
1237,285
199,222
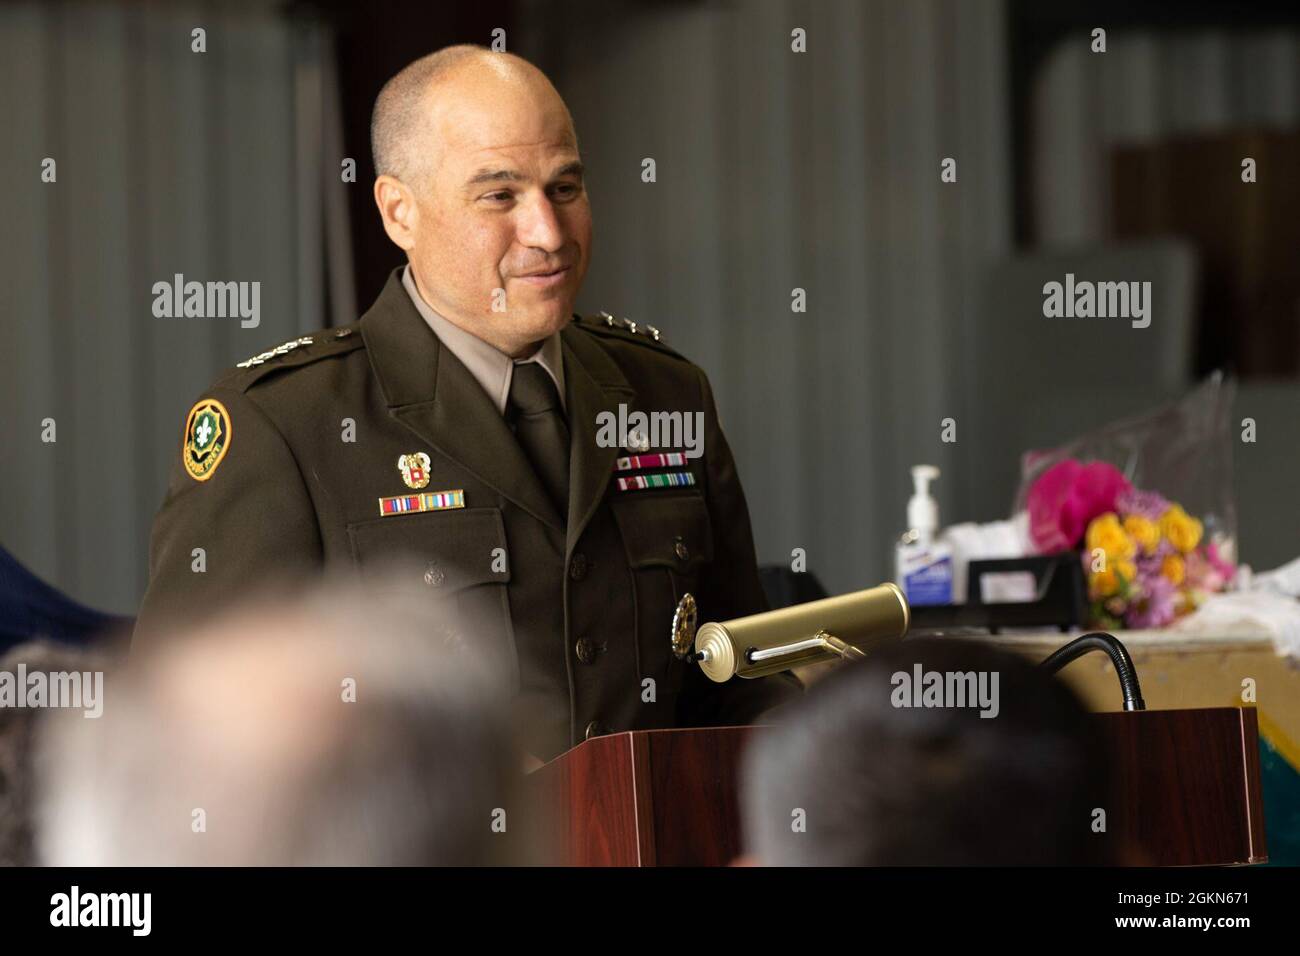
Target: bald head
479,181
404,125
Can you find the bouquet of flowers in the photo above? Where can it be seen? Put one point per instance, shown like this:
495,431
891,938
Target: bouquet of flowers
1147,561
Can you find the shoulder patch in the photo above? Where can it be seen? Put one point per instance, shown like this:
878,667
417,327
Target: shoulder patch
611,326
207,438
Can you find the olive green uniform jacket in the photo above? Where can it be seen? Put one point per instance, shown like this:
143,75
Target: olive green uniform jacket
578,616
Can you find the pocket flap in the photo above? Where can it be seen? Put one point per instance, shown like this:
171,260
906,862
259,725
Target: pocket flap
456,549
664,530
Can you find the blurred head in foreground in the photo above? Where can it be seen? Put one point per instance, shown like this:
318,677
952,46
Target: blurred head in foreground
866,770
331,729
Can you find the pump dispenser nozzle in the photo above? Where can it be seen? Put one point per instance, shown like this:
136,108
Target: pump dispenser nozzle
922,510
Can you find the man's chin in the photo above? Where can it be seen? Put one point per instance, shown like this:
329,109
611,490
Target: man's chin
547,318
538,325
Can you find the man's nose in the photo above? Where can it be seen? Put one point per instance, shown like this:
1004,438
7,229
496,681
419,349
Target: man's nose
539,226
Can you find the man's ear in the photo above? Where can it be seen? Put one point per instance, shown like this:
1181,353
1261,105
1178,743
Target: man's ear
397,209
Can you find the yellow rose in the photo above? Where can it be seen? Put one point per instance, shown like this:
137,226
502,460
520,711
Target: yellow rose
1144,531
1102,584
1172,568
1106,533
1182,530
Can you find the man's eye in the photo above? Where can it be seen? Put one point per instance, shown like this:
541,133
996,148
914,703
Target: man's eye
498,196
566,190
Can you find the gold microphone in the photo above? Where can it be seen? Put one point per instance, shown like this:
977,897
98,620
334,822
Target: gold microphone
843,626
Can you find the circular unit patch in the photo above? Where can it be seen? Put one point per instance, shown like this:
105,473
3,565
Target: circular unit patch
207,438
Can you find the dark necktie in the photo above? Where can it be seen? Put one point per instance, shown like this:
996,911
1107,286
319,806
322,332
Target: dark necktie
534,412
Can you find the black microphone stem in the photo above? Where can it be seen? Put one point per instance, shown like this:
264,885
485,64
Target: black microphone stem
1112,648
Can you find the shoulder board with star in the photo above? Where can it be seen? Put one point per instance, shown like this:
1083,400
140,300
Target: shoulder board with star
293,354
614,327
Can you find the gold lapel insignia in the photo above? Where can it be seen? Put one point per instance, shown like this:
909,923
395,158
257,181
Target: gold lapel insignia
414,469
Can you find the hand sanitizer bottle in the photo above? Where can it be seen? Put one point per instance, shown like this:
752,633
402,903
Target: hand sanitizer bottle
923,565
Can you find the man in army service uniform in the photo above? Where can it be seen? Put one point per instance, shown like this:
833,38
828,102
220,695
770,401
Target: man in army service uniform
476,395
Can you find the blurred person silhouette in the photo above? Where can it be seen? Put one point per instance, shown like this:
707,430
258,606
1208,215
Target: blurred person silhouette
335,727
855,774
18,730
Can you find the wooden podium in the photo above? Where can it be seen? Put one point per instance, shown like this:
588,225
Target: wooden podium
1186,784
1186,791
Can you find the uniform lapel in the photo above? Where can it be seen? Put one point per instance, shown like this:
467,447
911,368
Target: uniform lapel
593,384
431,391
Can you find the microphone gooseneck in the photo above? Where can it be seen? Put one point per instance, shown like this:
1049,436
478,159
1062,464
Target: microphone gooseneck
1110,646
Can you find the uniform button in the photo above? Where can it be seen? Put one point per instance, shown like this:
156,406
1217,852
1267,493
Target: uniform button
434,576
586,650
596,729
681,550
578,567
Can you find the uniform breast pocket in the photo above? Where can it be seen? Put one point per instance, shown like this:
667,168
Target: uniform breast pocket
669,543
459,559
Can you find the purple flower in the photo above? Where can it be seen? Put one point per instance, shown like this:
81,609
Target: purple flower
1148,504
1148,567
1155,608
1151,566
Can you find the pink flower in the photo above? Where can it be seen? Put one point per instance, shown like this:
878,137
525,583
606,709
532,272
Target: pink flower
1066,497
1203,574
1226,569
